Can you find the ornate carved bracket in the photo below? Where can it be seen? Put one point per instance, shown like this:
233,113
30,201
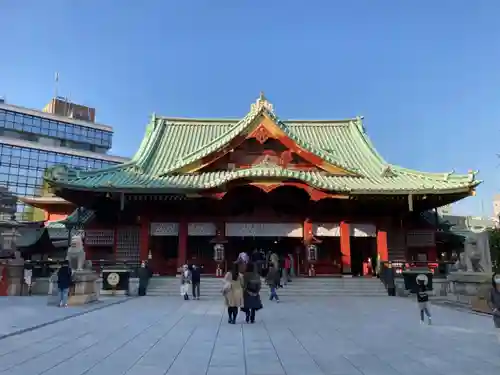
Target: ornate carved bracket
286,158
261,134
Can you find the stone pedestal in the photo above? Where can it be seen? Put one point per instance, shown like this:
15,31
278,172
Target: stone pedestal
471,288
133,286
41,286
86,289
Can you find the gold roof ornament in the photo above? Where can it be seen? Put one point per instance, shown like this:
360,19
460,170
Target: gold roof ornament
262,103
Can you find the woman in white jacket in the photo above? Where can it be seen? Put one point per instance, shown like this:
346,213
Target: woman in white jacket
185,281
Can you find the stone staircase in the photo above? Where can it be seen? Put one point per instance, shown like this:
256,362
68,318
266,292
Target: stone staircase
311,287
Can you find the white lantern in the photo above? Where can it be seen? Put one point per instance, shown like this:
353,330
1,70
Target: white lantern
312,253
219,252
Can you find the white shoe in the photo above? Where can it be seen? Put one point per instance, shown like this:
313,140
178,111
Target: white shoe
421,322
429,320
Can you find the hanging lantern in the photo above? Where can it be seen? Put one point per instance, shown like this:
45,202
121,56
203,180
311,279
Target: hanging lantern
219,252
312,253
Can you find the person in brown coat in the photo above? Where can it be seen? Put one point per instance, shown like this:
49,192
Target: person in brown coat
233,293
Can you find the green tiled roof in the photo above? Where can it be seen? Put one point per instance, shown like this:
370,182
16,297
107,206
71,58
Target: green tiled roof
170,144
77,217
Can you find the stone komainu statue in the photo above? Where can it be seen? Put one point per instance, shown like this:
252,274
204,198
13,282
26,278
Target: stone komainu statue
474,252
76,253
460,264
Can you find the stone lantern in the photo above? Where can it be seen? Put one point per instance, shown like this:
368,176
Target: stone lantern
219,255
219,252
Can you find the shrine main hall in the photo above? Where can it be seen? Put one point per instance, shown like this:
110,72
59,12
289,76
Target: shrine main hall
203,190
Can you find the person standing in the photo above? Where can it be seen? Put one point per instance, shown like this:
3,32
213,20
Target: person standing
273,280
185,281
423,302
144,274
255,258
494,302
233,293
286,269
389,280
64,281
251,294
28,277
195,281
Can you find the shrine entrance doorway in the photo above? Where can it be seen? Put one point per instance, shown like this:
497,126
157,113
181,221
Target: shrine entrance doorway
281,246
200,246
200,251
329,261
363,249
280,238
164,250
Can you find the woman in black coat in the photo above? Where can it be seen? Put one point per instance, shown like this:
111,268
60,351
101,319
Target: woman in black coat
144,274
251,296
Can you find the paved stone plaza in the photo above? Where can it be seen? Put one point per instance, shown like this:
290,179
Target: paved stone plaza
341,336
18,314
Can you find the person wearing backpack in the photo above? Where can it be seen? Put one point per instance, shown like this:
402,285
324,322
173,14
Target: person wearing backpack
273,281
64,281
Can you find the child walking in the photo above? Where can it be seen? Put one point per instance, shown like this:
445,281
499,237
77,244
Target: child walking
423,302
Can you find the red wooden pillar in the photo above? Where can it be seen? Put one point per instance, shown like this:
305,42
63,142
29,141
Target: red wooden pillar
382,248
308,236
4,283
432,255
182,246
144,239
345,246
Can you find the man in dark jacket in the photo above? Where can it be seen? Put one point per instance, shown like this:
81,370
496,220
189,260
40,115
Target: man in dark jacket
144,274
273,280
195,281
390,283
64,281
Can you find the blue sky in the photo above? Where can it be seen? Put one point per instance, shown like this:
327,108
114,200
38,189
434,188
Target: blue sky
425,74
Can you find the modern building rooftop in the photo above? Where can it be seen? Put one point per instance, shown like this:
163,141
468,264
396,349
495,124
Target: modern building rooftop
55,117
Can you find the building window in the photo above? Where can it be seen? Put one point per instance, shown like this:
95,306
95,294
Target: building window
55,129
22,170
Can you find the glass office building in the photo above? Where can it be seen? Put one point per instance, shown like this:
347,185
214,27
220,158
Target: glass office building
31,141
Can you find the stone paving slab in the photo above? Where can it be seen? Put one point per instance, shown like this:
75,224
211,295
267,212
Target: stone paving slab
306,336
19,314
